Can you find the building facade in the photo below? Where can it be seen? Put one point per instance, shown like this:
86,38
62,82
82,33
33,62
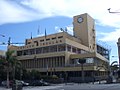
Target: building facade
61,53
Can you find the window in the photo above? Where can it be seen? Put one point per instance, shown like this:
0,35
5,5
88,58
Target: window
31,51
53,38
89,60
25,52
74,49
60,37
69,48
45,49
36,43
61,47
56,41
29,43
78,50
19,53
60,40
46,43
53,48
42,40
38,50
47,39
83,51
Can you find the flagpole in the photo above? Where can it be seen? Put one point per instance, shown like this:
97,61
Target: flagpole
45,33
38,32
31,35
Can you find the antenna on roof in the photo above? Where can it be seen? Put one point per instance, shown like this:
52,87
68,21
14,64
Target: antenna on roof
61,29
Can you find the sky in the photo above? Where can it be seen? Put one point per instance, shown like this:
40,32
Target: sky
21,18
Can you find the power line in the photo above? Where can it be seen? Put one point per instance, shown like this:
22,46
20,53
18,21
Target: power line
9,42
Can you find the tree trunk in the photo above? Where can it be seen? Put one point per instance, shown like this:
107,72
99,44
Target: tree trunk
8,79
13,73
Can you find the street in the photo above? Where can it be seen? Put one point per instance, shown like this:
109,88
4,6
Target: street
90,87
73,86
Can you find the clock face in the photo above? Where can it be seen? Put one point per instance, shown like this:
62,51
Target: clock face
80,19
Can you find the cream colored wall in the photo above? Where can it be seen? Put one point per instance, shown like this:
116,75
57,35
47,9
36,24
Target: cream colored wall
85,31
41,55
80,29
78,68
44,38
76,44
46,43
91,34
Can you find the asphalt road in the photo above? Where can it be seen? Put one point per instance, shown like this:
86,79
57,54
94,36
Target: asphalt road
74,87
89,87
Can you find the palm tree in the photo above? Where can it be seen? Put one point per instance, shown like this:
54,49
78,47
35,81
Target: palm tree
9,63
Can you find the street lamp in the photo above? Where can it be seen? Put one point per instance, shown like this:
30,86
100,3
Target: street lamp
117,57
82,61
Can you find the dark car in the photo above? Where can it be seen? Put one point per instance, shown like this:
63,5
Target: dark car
39,83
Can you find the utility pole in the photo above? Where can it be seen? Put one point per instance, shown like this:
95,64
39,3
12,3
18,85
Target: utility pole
9,41
82,61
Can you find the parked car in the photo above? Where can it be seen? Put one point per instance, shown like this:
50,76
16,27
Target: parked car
22,82
39,83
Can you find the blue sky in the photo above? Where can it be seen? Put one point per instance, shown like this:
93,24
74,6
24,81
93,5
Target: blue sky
18,18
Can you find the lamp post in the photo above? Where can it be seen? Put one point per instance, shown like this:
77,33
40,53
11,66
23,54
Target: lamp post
117,57
82,61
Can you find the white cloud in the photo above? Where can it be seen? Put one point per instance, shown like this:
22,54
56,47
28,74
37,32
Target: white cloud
111,36
57,28
12,12
40,35
46,8
68,29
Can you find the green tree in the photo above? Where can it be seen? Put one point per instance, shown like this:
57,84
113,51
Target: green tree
2,72
9,62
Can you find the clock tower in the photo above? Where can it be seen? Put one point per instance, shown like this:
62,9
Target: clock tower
85,31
